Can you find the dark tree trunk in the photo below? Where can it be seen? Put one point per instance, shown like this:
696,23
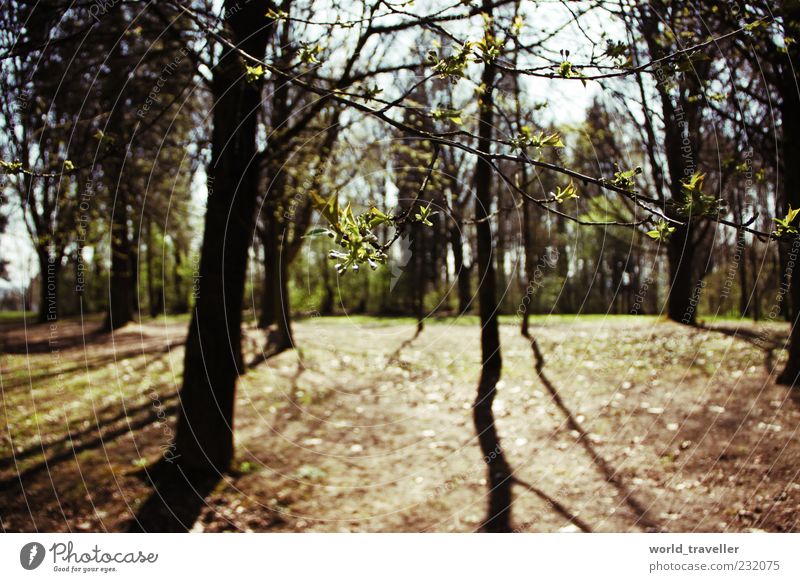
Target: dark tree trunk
528,241
154,294
269,288
49,269
744,297
213,360
684,292
282,338
181,305
462,271
498,518
420,274
275,308
790,148
121,283
682,150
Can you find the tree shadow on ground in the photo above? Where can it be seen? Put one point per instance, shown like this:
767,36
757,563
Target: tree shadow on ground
75,443
609,473
176,500
766,342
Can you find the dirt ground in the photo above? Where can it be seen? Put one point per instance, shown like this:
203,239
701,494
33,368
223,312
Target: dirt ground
635,424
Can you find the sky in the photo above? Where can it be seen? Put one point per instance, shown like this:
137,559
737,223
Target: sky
567,103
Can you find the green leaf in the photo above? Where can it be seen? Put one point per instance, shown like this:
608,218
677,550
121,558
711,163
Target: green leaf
14,167
317,232
785,224
424,215
624,178
254,73
453,115
526,137
570,191
308,53
661,232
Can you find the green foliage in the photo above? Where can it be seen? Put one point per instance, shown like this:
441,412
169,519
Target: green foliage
452,67
489,46
277,15
309,53
517,24
569,191
785,225
254,73
453,115
625,178
353,234
615,49
754,25
661,232
424,215
14,167
527,138
694,202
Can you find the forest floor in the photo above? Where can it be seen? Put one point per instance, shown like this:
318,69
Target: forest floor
636,424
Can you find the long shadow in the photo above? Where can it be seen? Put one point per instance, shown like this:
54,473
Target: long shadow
768,344
610,474
271,349
555,505
51,446
43,346
176,501
47,463
95,363
394,358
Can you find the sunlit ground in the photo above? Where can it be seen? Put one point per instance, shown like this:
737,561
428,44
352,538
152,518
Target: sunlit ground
654,426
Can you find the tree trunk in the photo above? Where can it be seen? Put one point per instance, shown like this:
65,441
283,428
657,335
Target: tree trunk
420,274
267,315
528,241
121,281
744,297
790,148
462,272
282,338
327,301
684,293
180,305
154,294
49,269
213,360
498,518
682,150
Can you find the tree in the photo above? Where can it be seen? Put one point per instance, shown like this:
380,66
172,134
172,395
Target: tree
499,473
213,360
